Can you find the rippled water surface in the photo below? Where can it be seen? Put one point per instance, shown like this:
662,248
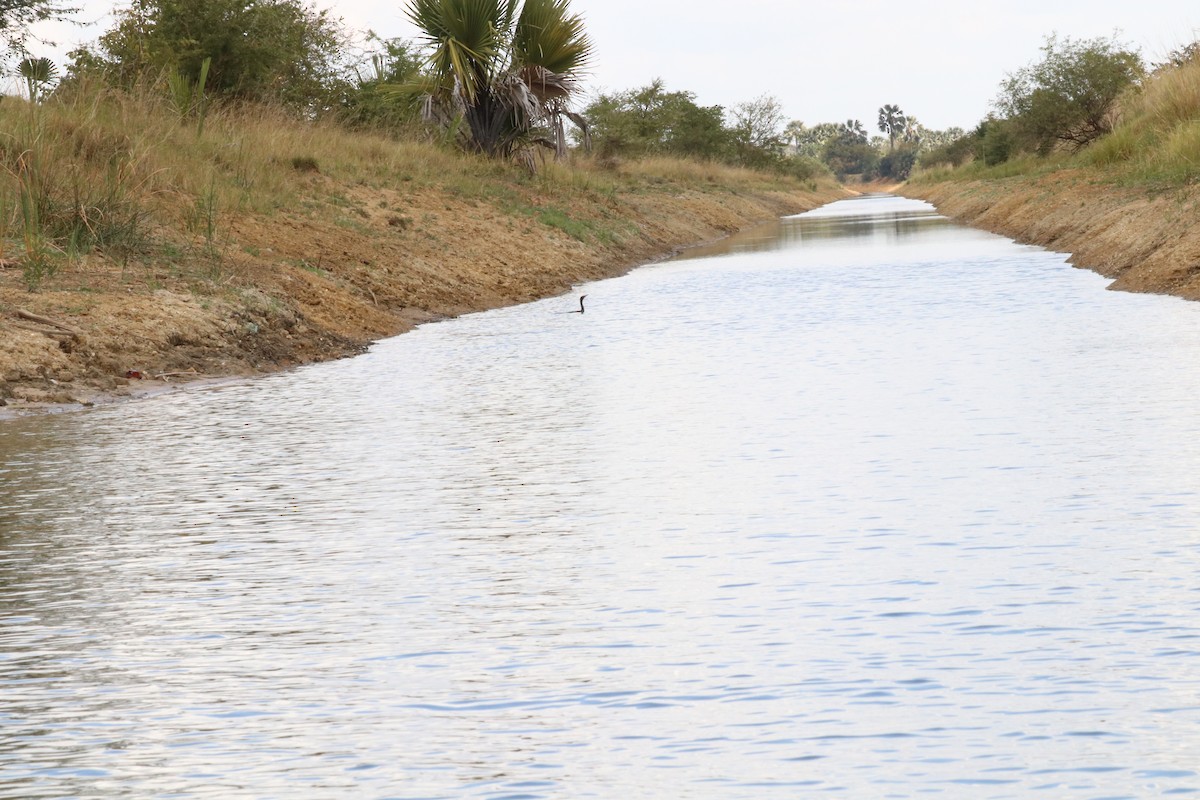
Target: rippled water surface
866,505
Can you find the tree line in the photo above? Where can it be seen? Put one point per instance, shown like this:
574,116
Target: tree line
502,77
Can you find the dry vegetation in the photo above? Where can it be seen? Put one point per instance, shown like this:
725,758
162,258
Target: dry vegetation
1158,137
1155,141
260,242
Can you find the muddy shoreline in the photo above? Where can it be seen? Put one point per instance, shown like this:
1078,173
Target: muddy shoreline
1144,239
278,308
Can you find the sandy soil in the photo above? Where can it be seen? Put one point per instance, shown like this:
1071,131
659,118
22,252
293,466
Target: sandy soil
1146,241
297,287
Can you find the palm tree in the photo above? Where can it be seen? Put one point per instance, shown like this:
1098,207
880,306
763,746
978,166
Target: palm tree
914,132
39,74
892,122
852,130
509,76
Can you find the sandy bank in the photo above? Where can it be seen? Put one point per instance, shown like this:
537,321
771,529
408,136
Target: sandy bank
300,286
1145,240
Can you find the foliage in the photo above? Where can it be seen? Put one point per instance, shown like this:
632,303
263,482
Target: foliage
894,123
1069,95
852,130
811,141
1154,141
758,125
188,97
849,152
847,149
653,121
17,15
932,140
112,177
846,157
793,131
996,141
1170,97
39,74
897,164
510,76
265,50
1178,58
1158,136
373,100
952,152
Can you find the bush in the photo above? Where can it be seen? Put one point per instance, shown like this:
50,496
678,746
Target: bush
898,164
803,168
952,154
996,143
653,121
382,96
16,16
1068,97
846,155
263,50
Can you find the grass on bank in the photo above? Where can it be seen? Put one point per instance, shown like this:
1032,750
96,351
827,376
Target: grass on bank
1158,136
131,176
1155,141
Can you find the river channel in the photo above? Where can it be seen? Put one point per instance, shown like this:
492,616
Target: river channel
864,504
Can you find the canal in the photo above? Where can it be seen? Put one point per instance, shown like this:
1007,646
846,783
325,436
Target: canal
861,504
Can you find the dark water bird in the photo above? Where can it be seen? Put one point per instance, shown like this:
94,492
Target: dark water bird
580,311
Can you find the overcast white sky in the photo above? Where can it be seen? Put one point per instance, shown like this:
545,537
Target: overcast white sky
939,60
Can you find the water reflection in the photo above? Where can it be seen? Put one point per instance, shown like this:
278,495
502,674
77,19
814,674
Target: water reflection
890,507
880,221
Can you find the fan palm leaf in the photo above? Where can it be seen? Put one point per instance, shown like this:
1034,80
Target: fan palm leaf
468,38
509,75
547,35
38,70
38,73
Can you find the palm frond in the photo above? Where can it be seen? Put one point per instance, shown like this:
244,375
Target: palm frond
467,38
548,35
39,70
505,68
515,93
547,85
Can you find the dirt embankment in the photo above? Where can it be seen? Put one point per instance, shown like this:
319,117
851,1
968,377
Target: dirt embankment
1145,240
296,287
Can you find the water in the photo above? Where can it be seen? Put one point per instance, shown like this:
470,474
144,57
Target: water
867,505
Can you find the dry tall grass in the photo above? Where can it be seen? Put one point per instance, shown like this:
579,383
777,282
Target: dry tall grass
1158,136
96,169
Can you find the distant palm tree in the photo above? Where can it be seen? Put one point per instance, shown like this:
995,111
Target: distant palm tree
852,130
914,132
39,74
509,76
892,122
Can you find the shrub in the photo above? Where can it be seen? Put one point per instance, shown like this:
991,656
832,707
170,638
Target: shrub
952,154
1068,97
381,95
898,164
653,121
846,155
996,141
264,50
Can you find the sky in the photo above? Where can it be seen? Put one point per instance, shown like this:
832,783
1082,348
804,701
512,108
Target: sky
940,61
